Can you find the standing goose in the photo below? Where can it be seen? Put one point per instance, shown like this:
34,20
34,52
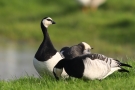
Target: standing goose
76,50
46,56
90,66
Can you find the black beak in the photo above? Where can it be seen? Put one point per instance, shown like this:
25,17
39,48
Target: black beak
92,48
53,22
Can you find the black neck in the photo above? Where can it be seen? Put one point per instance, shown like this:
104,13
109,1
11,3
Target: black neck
61,63
46,49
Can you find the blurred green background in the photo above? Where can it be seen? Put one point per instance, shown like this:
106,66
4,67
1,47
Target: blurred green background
110,29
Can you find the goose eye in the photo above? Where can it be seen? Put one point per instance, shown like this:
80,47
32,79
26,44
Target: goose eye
48,19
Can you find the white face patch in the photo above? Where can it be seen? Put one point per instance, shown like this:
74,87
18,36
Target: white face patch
87,48
86,45
46,23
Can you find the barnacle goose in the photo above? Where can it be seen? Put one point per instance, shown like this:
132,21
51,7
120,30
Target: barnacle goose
90,66
46,56
93,4
75,50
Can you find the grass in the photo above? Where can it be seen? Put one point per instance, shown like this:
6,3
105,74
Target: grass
116,81
110,30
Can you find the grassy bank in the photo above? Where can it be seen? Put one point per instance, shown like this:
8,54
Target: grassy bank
110,29
116,81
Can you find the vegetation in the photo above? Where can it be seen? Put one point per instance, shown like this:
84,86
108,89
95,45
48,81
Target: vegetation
109,29
116,81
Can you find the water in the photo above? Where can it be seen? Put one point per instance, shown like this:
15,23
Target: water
16,62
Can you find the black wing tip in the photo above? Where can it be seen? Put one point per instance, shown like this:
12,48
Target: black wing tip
123,70
123,64
127,65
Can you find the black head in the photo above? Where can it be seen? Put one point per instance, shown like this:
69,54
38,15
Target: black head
63,50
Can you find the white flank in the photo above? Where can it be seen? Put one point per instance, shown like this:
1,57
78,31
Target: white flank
112,70
95,69
46,67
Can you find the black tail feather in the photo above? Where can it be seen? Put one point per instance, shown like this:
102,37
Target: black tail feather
123,70
127,65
